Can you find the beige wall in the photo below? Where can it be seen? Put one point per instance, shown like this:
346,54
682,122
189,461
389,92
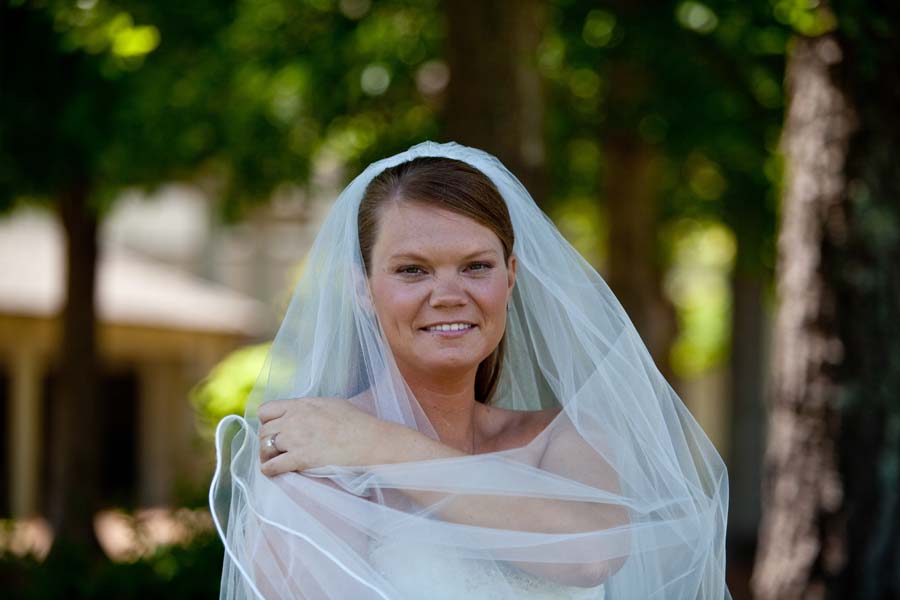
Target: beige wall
167,363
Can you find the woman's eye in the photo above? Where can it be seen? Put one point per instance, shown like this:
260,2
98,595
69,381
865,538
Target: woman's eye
410,270
480,266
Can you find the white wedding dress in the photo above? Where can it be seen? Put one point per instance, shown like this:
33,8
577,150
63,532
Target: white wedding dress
420,571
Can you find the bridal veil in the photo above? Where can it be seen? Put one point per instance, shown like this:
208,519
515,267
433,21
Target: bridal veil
623,441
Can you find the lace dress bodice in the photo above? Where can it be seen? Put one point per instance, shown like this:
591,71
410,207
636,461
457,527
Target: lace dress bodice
422,571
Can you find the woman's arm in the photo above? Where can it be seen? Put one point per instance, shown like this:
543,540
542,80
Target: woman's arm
567,455
317,432
506,512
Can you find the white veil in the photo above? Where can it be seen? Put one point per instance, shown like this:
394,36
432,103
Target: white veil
623,445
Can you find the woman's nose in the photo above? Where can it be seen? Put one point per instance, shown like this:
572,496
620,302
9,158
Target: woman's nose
447,291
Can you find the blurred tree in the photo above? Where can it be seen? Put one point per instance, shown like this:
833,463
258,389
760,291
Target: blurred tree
100,95
831,527
743,49
665,112
494,98
633,176
668,114
42,152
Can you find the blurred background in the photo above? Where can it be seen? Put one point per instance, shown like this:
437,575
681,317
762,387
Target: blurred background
730,168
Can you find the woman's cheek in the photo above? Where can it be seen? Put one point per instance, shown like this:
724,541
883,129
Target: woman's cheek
407,304
395,303
494,296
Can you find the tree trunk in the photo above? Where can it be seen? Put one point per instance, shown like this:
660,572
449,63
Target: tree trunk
746,391
635,275
495,96
831,527
74,449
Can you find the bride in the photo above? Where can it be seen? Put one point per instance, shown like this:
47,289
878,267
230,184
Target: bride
457,406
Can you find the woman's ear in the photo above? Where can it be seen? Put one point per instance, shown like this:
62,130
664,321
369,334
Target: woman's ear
511,273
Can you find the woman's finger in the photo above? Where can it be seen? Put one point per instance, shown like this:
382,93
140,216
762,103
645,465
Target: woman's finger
270,428
277,465
271,410
268,450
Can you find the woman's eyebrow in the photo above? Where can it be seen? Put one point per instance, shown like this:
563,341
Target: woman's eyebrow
419,257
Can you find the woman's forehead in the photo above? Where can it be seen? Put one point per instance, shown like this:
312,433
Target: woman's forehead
416,228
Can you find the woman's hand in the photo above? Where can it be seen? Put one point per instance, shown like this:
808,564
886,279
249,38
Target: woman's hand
314,432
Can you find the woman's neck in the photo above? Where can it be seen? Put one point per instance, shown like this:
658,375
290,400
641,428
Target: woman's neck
449,403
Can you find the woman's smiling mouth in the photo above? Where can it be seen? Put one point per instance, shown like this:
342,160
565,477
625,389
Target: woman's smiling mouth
454,329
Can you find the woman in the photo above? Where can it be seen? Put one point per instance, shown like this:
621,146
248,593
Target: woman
456,406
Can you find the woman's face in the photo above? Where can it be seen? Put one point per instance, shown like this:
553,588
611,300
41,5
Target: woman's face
440,288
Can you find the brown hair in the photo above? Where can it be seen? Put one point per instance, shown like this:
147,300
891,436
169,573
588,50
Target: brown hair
455,186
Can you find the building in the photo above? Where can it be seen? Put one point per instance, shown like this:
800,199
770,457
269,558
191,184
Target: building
160,330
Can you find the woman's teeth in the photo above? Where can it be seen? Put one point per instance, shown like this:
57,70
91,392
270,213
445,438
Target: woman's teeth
450,327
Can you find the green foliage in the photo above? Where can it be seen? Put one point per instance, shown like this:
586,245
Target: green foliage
698,83
227,387
697,282
805,17
178,572
118,93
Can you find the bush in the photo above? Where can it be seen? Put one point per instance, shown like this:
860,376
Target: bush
188,572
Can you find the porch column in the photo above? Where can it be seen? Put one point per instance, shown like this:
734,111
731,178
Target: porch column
154,429
26,434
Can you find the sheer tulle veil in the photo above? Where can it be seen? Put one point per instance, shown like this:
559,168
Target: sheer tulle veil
623,443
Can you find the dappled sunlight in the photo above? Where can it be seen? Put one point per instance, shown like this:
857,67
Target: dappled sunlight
25,537
703,256
129,536
123,536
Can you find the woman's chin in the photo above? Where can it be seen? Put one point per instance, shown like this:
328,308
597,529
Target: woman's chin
446,363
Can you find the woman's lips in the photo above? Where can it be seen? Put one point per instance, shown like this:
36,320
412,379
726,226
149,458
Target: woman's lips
450,333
